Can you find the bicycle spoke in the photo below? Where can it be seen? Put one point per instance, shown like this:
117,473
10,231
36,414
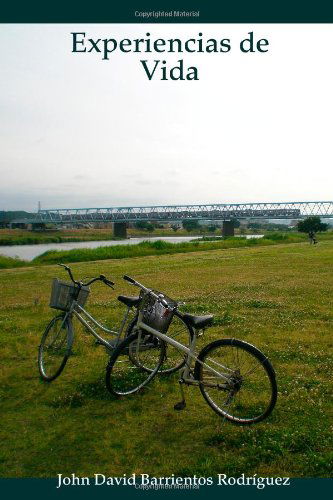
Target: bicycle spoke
175,358
250,385
218,364
53,351
133,365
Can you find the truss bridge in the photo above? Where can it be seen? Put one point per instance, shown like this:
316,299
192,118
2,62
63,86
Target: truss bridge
226,212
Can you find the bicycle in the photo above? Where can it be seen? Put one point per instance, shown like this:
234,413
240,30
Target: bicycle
235,378
178,329
58,338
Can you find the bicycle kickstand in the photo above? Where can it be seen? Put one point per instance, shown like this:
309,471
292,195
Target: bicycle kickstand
181,405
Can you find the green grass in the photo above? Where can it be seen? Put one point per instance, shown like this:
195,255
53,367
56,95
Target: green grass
278,297
146,248
25,237
142,249
8,262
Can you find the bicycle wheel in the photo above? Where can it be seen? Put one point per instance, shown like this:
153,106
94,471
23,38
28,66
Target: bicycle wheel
243,388
124,373
54,348
174,359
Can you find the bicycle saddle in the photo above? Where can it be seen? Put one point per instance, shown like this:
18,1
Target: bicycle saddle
129,301
198,322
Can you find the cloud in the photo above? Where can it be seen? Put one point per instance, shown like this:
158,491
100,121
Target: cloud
77,132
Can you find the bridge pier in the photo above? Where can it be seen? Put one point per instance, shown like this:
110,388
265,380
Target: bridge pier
120,230
228,228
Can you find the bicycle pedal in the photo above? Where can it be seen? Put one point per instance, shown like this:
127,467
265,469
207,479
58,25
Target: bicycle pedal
179,406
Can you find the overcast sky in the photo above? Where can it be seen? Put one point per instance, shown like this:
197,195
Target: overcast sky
77,131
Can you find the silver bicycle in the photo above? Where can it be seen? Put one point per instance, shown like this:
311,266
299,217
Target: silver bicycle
58,338
235,378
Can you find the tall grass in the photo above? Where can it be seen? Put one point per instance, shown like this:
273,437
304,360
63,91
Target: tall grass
25,237
146,248
152,248
33,240
8,262
39,240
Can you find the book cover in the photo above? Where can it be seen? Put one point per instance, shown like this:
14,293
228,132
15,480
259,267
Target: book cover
187,149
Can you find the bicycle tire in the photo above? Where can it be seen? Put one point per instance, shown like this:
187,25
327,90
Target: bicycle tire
174,359
249,400
57,348
123,376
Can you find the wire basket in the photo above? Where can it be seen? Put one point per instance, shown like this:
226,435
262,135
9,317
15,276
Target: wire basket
63,293
155,314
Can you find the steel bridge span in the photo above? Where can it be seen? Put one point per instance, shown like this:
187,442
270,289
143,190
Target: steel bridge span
120,216
165,213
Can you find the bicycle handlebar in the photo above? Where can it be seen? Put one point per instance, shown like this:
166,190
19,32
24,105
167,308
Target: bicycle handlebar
68,269
147,290
139,285
131,280
80,283
106,281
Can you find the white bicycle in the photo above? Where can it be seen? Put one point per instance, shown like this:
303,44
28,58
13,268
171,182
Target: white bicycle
58,338
236,379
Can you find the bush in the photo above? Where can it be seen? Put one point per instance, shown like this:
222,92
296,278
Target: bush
190,224
276,236
145,225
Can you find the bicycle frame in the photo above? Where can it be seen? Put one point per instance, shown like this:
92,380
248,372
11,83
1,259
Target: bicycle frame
80,313
189,351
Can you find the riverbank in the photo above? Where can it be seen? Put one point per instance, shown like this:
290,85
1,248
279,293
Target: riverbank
23,237
147,248
30,252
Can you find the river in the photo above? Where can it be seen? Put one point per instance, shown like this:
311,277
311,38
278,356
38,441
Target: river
29,252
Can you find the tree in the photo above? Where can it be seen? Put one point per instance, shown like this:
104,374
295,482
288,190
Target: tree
254,225
211,228
312,224
142,224
190,224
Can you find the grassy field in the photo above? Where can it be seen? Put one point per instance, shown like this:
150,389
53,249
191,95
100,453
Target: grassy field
277,297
